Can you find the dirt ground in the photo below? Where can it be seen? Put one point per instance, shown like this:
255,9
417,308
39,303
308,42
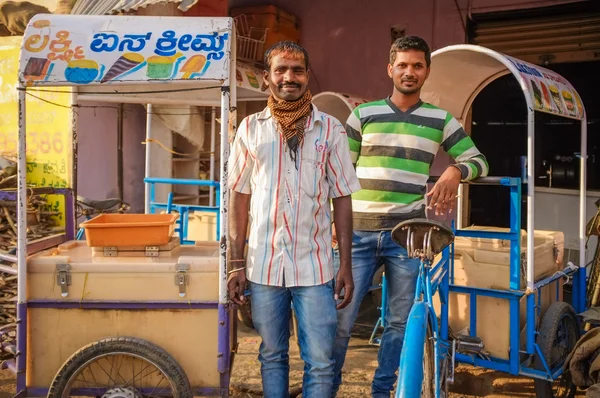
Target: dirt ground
358,371
360,365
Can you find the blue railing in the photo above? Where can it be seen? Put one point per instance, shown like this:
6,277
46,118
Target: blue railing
184,209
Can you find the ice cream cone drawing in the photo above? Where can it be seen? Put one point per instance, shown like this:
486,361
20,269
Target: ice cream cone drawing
125,65
162,67
194,67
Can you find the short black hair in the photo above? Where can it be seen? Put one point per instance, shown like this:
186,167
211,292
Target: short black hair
405,43
285,47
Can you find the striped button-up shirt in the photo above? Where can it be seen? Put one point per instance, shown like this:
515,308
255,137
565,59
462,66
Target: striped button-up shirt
290,214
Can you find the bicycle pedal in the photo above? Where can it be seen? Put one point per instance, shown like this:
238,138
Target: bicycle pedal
469,344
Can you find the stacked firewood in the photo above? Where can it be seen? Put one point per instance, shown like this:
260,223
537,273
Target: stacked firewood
40,223
8,311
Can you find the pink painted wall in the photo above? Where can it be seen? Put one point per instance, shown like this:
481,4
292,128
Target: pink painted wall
348,40
97,174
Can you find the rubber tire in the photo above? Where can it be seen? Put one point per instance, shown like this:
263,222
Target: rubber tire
145,349
427,387
547,335
244,314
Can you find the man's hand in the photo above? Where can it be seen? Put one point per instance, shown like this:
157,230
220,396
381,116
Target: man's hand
344,281
443,195
236,286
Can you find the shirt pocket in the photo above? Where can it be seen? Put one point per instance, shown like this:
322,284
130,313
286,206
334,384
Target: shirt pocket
312,173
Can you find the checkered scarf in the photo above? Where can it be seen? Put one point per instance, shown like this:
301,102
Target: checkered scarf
291,117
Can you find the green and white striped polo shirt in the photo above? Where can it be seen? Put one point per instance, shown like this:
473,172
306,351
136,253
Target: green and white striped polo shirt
393,152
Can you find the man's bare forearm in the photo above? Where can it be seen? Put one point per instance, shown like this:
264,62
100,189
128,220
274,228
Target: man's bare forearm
239,205
342,217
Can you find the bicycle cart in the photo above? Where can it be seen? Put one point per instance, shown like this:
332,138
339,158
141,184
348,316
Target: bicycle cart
498,307
130,312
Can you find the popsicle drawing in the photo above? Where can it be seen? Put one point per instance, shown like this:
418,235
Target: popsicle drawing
194,67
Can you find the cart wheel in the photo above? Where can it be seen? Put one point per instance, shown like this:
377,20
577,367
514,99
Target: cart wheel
557,337
121,367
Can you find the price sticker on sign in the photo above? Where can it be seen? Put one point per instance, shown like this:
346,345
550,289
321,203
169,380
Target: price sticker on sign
49,129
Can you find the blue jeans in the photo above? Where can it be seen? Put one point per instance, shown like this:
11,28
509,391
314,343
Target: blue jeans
370,250
315,311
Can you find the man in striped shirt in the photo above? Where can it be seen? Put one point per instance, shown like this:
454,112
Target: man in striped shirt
393,143
286,163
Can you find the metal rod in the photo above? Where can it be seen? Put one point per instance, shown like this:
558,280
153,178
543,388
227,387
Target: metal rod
74,144
22,200
582,214
213,132
181,181
148,156
530,196
459,207
120,152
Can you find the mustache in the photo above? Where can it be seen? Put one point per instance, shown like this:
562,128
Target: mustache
289,84
409,80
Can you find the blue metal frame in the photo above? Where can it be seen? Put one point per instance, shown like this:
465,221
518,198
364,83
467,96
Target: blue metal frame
514,295
429,281
184,210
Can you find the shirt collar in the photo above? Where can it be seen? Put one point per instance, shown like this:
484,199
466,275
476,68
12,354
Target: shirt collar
315,116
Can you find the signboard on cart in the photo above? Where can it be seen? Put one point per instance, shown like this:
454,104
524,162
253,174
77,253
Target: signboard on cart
550,92
81,50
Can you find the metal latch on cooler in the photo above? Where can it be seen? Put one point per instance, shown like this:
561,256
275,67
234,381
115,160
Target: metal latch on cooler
63,278
181,278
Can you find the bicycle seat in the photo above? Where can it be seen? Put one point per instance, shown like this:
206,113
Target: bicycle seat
422,238
100,205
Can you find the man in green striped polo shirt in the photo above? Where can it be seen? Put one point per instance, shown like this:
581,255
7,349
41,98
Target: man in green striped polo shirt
393,143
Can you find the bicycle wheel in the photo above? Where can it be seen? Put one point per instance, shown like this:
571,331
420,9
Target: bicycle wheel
428,385
558,335
123,367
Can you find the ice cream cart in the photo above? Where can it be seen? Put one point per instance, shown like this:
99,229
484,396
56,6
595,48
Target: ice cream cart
130,312
499,304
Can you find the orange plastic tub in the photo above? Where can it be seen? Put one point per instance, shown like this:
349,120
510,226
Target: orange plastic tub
118,230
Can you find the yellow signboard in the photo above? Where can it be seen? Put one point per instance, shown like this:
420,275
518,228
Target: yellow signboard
49,126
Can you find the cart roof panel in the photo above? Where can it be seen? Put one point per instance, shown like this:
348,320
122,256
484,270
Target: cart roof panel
460,72
82,50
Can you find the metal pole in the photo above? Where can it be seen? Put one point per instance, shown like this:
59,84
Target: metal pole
148,154
530,196
213,132
459,207
582,214
21,359
22,200
120,152
74,144
225,98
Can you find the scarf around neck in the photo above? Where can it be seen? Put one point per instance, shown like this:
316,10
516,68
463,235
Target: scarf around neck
291,117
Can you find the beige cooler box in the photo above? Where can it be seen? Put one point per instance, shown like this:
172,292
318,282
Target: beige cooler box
189,335
484,263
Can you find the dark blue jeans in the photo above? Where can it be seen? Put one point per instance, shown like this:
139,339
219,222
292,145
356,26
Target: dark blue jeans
315,311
